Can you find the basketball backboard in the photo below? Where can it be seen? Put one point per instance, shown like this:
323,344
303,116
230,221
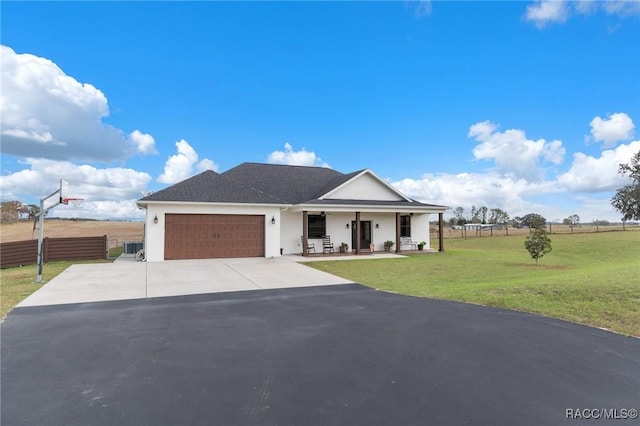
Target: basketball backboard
64,189
56,197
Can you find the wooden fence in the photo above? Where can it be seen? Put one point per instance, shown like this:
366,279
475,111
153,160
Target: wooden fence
26,252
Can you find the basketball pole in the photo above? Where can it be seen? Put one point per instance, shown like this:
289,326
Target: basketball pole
41,214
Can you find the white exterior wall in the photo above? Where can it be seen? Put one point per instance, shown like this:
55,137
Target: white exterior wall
154,235
420,229
290,232
365,187
337,229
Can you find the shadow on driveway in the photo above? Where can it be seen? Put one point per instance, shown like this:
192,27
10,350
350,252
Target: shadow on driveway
342,355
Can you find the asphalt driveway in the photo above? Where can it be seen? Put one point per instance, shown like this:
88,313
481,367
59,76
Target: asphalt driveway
332,355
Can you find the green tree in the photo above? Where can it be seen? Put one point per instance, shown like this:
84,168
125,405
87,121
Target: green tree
475,214
483,210
32,210
627,198
498,216
533,220
572,221
538,243
459,213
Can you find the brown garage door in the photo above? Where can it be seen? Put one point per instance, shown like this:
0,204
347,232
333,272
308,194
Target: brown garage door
206,236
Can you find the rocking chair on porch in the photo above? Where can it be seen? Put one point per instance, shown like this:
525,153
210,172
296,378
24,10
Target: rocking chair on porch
311,247
327,245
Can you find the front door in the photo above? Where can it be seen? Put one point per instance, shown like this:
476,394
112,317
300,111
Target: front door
365,234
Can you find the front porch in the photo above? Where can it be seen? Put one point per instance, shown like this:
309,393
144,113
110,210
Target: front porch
366,233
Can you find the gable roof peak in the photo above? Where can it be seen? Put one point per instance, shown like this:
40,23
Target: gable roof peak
351,177
251,163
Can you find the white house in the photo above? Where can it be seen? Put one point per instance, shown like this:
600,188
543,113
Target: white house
265,210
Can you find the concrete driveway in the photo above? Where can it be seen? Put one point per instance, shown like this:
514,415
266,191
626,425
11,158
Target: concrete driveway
124,280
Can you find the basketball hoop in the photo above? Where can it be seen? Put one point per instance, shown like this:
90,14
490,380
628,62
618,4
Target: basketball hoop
59,196
75,202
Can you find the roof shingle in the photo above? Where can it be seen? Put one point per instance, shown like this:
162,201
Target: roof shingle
293,184
211,187
255,183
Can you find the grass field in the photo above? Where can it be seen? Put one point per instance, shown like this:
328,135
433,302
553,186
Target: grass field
588,278
57,228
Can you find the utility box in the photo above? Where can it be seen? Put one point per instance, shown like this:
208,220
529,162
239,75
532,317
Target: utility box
132,247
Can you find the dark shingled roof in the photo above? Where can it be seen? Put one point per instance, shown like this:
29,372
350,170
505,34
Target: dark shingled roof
294,184
212,187
255,183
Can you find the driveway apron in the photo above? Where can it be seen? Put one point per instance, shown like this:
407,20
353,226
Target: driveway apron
138,280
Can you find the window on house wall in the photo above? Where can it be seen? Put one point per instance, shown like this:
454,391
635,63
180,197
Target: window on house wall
405,226
317,225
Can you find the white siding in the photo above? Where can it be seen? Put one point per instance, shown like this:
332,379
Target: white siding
365,187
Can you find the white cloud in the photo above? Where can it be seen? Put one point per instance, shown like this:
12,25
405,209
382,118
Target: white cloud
107,193
480,189
512,152
585,7
295,158
618,127
48,114
145,144
591,174
543,12
422,8
621,7
547,11
585,188
184,164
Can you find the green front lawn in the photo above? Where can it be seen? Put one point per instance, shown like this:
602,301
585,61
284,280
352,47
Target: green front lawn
16,284
588,278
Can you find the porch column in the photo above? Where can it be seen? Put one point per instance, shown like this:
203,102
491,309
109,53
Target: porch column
397,232
357,231
305,233
441,231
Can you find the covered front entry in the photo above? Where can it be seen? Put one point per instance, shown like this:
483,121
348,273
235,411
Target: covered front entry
207,236
365,234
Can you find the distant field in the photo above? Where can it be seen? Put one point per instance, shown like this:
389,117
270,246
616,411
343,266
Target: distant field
588,278
56,228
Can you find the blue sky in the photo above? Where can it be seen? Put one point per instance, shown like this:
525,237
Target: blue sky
524,106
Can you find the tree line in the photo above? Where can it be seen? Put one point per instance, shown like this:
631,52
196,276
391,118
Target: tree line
496,216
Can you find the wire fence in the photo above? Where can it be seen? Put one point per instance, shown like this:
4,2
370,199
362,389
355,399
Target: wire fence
124,245
552,228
